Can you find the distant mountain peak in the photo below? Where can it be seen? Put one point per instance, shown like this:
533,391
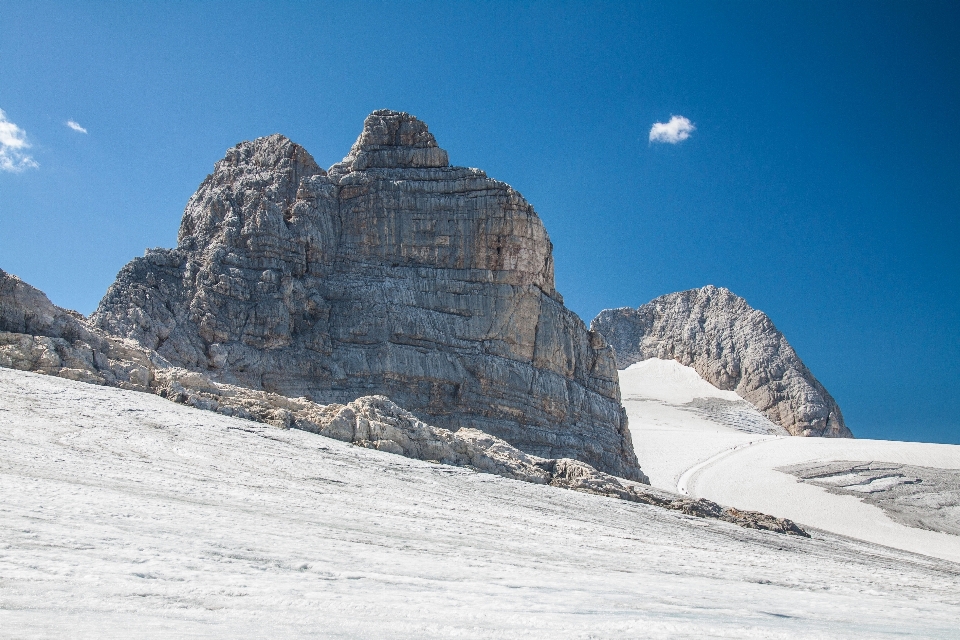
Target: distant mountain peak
734,347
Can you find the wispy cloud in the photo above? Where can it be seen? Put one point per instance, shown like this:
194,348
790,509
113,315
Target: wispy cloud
677,130
73,124
13,145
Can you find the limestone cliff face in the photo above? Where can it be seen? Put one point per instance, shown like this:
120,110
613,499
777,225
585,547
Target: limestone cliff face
393,273
734,347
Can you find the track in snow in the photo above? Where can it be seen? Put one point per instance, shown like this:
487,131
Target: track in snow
684,480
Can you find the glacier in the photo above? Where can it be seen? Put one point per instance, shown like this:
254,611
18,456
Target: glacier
124,514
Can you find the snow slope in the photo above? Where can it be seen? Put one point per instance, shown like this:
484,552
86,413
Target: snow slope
703,457
670,434
125,515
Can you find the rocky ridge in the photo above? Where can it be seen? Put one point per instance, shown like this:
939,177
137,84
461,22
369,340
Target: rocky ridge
394,274
39,337
731,345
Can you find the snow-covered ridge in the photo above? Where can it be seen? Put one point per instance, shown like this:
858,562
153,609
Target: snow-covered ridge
671,382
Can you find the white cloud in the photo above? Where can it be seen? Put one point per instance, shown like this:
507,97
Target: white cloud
13,143
73,124
677,130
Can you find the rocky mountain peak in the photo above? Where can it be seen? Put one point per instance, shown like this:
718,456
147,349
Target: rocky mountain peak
270,153
261,176
731,345
392,274
392,140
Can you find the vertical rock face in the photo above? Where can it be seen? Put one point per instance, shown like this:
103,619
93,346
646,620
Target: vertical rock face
734,347
393,273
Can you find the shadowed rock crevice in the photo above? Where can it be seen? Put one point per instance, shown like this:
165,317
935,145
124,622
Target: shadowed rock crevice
732,346
394,273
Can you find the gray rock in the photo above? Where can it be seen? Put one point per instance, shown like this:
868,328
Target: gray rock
393,274
921,497
36,335
732,346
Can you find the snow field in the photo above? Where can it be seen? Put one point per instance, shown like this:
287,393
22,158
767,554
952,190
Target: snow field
748,478
694,455
125,515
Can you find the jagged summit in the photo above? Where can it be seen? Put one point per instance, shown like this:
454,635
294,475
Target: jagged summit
268,153
393,274
734,347
393,140
264,173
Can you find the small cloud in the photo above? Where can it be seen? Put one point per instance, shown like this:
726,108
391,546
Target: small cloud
677,130
73,124
13,143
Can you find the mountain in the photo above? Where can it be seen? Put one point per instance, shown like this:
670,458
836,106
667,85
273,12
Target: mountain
731,345
392,273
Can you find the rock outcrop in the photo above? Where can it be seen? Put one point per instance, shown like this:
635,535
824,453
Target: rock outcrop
392,274
732,346
926,498
38,336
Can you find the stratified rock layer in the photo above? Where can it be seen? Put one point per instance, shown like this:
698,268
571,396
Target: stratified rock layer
927,498
393,274
731,345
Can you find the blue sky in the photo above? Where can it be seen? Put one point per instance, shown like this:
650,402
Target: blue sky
821,181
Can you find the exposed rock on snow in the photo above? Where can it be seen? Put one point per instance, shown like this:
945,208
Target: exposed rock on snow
392,274
734,347
922,497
